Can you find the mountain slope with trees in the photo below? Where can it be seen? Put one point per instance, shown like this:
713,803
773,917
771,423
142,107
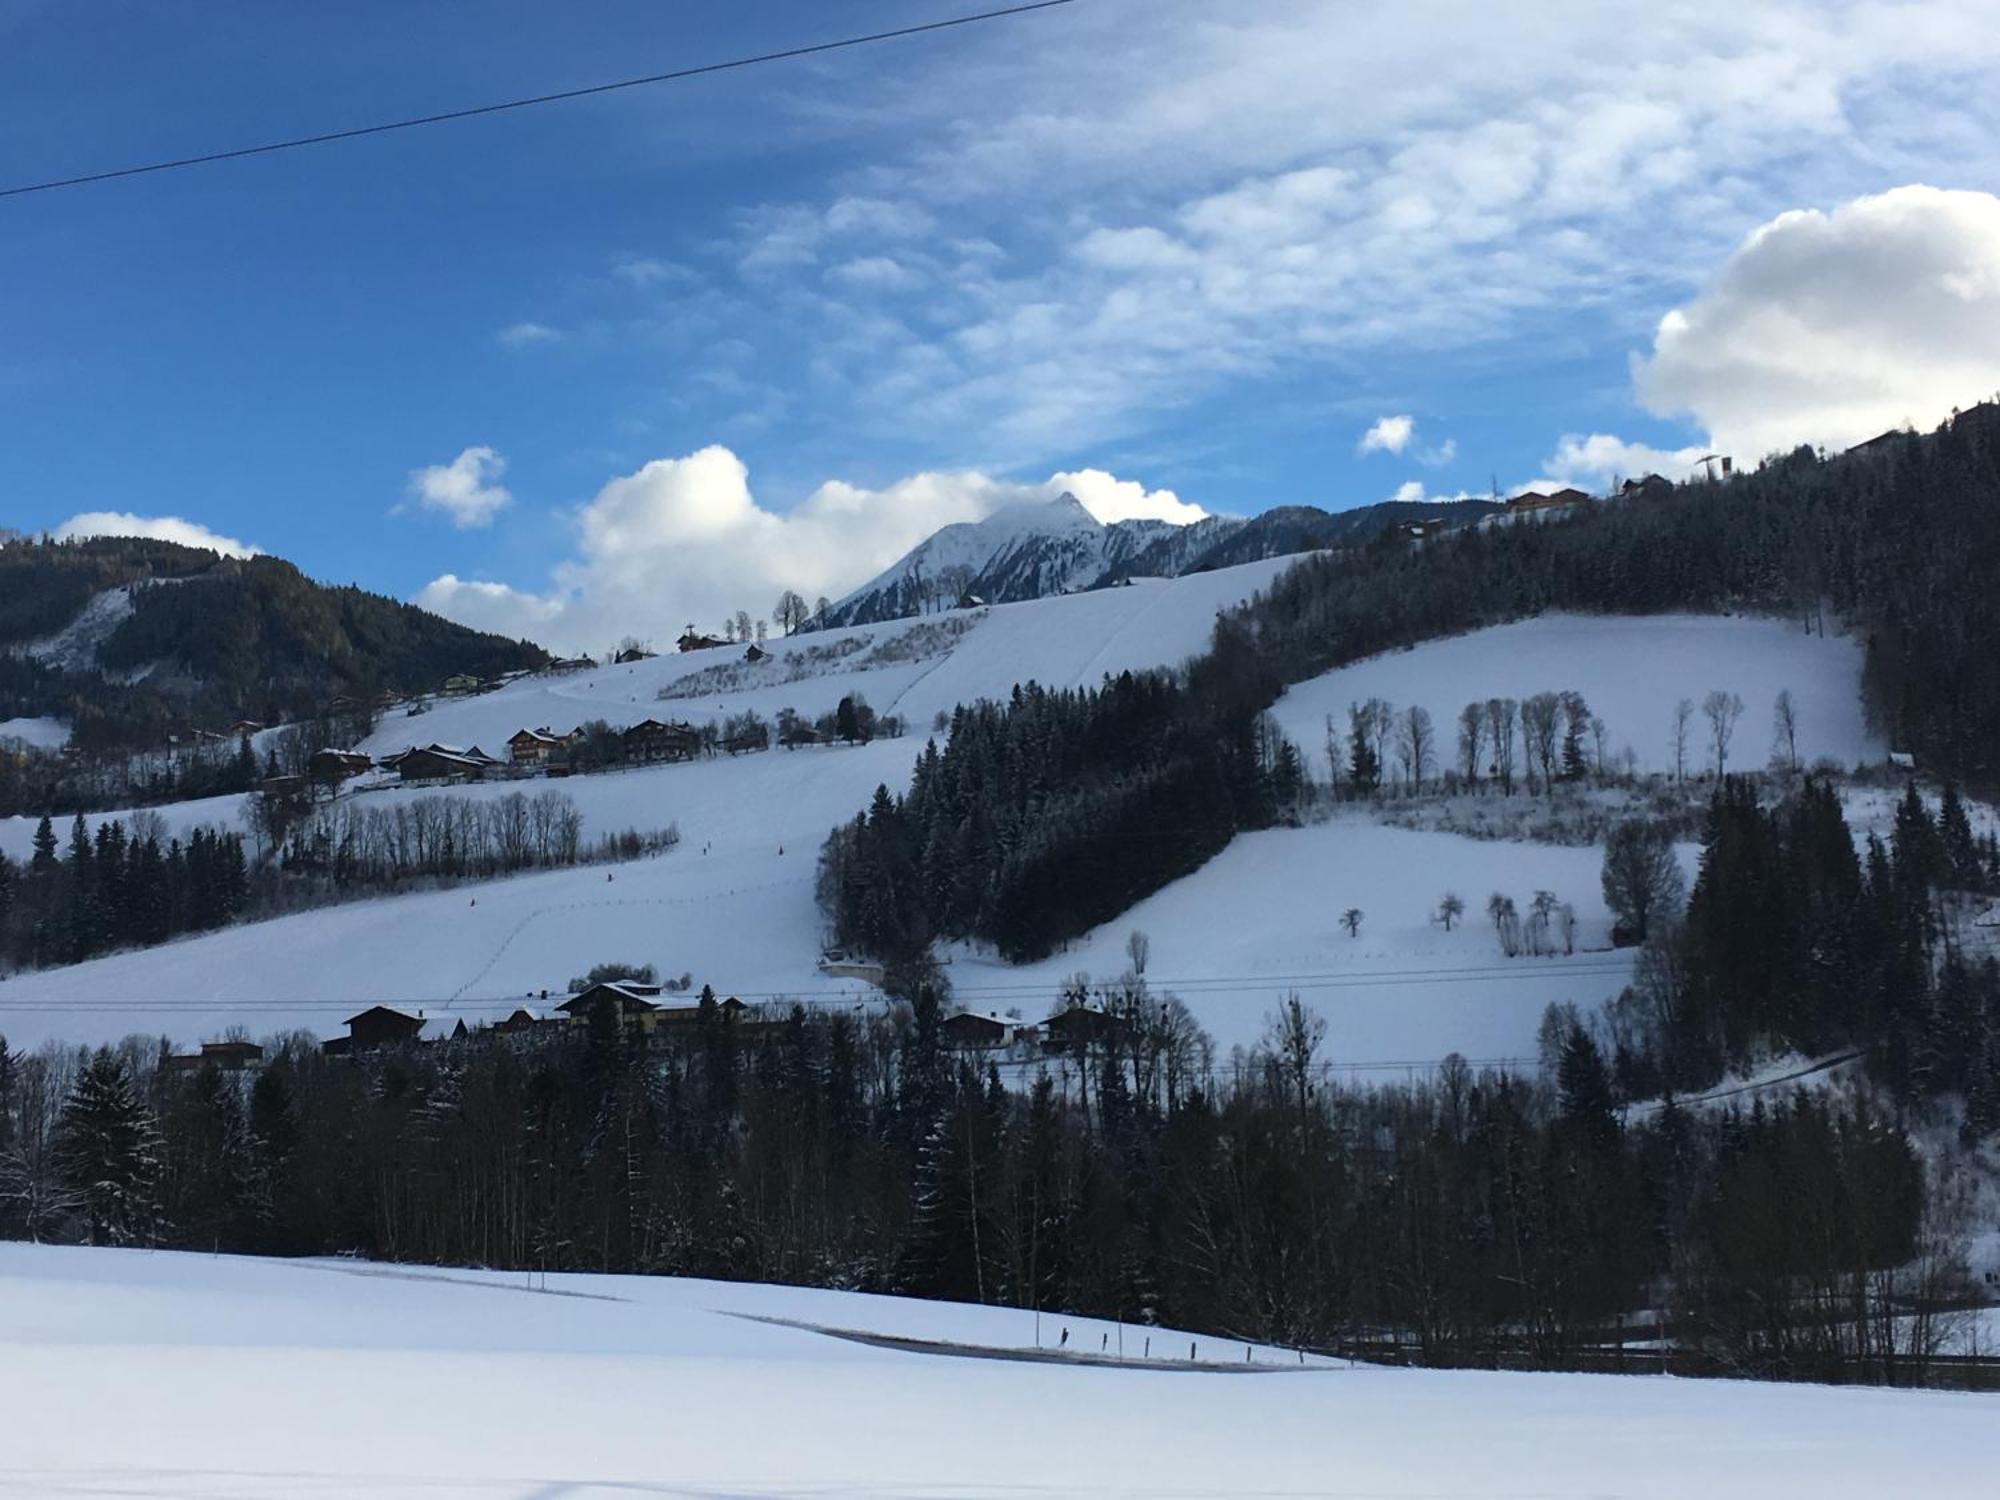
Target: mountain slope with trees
200,640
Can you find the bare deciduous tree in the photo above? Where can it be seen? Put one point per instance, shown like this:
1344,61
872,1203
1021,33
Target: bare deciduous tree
1683,712
791,611
1351,920
1722,710
1416,745
1293,1036
1450,909
1785,731
1471,740
1541,733
1500,718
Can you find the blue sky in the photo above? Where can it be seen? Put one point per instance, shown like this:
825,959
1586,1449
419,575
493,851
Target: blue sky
614,364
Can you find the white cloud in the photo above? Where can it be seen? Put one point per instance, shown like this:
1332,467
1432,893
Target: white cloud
684,539
1388,435
466,489
159,528
522,335
1441,454
1178,211
1409,492
646,270
1829,328
489,606
1599,461
1112,499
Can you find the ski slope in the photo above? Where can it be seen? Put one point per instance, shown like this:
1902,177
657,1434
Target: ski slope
733,905
1631,669
159,1374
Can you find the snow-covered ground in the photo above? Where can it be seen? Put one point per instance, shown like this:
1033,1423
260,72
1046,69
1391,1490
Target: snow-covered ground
1260,919
137,1374
733,905
1067,641
37,734
1631,669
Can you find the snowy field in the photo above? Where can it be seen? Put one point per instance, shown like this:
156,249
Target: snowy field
1260,919
136,1374
733,905
36,734
1631,670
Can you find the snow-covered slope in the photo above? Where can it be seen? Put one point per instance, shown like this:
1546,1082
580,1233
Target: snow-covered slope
38,734
137,1374
1030,552
1022,552
74,647
1632,669
733,905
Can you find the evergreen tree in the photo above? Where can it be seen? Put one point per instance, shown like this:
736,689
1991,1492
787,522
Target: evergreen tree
108,1151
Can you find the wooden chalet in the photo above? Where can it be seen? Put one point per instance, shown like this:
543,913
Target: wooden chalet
1651,487
224,1057
756,653
440,763
242,729
571,664
377,1026
459,684
969,1031
693,640
653,739
336,766
1555,503
631,654
530,747
627,1001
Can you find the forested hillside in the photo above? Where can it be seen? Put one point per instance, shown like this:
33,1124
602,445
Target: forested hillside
1901,541
199,640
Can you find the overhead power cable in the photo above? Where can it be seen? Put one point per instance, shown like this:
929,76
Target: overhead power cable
557,97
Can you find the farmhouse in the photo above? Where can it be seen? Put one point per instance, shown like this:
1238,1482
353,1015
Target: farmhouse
1556,503
969,1031
377,1026
1651,487
693,640
460,683
224,1057
440,763
530,747
332,767
651,739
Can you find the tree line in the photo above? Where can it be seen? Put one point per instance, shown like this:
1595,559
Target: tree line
1794,941
1474,1217
1898,541
134,886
